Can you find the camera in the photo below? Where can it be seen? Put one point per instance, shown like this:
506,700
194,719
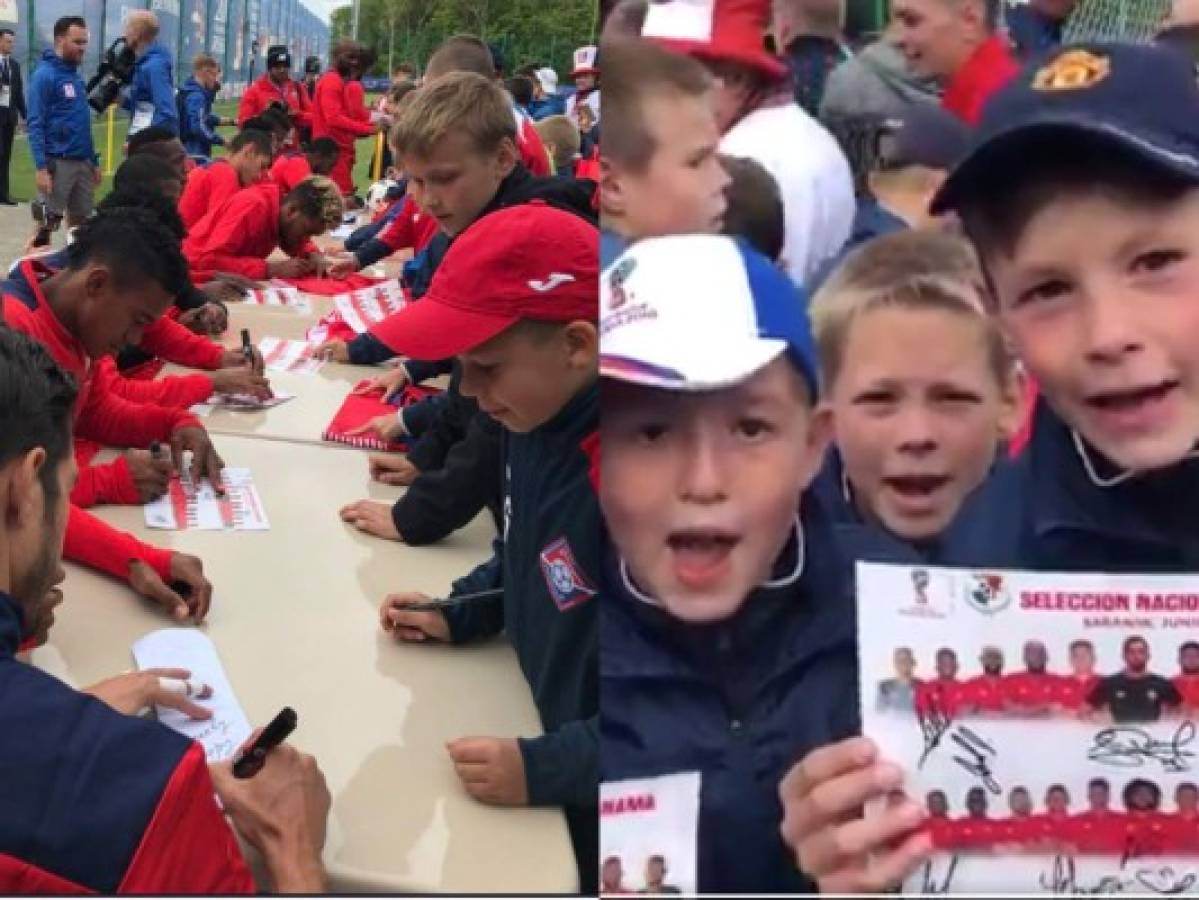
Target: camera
48,222
116,71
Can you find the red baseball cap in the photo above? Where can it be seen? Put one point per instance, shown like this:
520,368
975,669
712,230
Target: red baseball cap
715,31
526,262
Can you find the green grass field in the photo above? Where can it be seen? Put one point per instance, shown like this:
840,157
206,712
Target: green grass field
21,171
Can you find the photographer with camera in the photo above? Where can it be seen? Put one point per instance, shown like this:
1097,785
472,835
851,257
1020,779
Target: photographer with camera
151,97
60,132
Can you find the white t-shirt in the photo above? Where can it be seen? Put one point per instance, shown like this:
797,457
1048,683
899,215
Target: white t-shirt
593,101
813,177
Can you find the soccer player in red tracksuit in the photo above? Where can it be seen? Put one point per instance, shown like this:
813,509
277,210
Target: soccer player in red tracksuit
290,168
938,824
975,831
1149,829
1187,680
1034,690
984,694
1100,829
1074,689
332,116
1053,827
1021,830
943,694
241,235
1183,834
87,292
277,86
209,187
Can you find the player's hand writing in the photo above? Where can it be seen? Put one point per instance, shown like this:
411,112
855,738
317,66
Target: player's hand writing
371,518
151,476
290,268
206,462
411,625
241,381
236,359
822,800
282,812
491,769
133,692
393,469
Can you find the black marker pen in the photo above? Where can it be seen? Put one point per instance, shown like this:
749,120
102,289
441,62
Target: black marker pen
248,763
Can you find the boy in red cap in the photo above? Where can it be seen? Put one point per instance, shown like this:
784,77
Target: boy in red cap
515,301
759,118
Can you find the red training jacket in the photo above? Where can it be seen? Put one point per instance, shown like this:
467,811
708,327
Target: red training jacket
207,189
240,235
411,228
263,92
331,116
988,69
289,170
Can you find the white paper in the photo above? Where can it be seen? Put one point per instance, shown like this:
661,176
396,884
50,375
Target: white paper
191,649
366,307
249,401
1089,711
342,232
186,506
289,297
644,817
289,356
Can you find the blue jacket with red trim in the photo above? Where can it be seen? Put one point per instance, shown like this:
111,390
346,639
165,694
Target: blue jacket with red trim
97,802
547,562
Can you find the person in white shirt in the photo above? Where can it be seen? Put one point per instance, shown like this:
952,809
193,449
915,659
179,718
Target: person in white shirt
759,119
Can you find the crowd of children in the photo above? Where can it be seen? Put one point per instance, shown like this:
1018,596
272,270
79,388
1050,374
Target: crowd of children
988,367
505,272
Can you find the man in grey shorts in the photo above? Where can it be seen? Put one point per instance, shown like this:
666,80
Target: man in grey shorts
60,126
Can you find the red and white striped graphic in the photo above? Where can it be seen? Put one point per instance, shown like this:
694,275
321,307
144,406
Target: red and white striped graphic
363,308
280,355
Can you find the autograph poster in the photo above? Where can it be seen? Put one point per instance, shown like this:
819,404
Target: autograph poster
1046,722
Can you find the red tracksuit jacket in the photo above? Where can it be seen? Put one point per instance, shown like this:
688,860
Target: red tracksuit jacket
239,235
411,228
289,170
263,92
99,416
207,189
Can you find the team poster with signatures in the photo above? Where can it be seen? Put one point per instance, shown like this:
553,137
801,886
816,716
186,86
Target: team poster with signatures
1046,722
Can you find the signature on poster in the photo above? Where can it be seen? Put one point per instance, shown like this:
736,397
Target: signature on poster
1128,747
1163,880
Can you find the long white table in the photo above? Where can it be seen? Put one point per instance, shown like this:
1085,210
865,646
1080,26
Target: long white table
294,618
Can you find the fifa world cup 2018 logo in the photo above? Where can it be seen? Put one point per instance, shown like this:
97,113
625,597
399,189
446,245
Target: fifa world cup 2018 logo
920,582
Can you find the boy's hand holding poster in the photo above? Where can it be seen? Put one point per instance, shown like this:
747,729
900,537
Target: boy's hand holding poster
1047,722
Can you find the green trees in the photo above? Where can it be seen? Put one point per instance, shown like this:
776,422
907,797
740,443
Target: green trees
541,31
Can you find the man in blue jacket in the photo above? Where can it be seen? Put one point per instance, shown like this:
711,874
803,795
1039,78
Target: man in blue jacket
151,96
60,126
197,124
515,301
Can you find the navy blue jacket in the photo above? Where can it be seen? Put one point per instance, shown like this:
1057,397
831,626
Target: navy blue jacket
154,83
197,124
1031,32
98,801
740,701
1045,513
60,121
547,562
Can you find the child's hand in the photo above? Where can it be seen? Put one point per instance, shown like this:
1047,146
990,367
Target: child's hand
387,427
491,769
389,383
394,469
822,799
336,351
371,518
410,625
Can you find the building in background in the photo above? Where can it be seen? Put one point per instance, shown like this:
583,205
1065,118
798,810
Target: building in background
229,30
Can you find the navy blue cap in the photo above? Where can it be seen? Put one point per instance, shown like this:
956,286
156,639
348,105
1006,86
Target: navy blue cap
278,55
1139,97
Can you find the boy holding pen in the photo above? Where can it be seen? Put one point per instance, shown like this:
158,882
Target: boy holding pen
1081,193
515,301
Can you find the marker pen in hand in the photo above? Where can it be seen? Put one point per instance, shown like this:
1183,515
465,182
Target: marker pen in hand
248,764
247,347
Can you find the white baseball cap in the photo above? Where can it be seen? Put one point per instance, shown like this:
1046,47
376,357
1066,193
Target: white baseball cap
549,80
700,313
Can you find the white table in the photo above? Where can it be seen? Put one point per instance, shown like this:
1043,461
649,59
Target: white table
294,618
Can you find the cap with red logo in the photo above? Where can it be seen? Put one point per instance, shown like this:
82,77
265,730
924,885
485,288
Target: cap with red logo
715,31
526,262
